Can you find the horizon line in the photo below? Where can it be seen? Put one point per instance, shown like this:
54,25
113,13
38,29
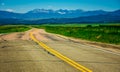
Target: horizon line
59,9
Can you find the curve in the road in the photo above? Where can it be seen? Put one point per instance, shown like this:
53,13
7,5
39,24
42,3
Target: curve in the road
62,57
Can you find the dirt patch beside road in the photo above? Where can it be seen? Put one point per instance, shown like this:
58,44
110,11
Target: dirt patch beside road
110,47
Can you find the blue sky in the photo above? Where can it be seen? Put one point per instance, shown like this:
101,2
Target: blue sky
26,5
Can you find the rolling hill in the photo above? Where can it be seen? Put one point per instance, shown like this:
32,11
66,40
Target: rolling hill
39,16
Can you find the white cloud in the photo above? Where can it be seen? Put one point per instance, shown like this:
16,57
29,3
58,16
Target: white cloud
9,10
61,12
50,6
2,4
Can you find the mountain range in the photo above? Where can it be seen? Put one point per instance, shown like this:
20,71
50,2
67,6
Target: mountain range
38,16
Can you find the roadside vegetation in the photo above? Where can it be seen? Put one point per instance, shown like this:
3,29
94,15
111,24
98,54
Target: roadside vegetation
13,28
107,33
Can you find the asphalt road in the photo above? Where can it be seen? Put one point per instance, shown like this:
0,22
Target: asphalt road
24,55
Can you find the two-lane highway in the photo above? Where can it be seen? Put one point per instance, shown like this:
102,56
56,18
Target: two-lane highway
91,57
19,53
57,54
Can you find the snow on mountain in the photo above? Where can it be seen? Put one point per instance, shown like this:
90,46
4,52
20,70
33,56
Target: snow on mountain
49,13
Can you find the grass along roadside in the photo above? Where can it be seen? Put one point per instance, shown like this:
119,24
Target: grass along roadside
13,28
107,33
99,33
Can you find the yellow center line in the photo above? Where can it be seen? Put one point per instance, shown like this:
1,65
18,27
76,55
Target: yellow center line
62,57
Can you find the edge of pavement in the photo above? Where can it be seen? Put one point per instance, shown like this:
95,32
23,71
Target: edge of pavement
111,48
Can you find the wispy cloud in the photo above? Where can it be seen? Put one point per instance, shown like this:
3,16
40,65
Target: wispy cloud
50,6
9,10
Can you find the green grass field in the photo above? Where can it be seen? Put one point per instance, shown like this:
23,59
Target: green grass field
107,33
12,28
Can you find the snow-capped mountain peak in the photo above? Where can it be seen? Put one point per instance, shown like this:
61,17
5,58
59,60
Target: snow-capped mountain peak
62,12
39,11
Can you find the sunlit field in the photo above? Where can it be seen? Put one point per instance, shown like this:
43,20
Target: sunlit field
107,33
13,28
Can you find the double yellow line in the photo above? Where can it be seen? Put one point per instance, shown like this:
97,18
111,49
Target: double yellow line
62,57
